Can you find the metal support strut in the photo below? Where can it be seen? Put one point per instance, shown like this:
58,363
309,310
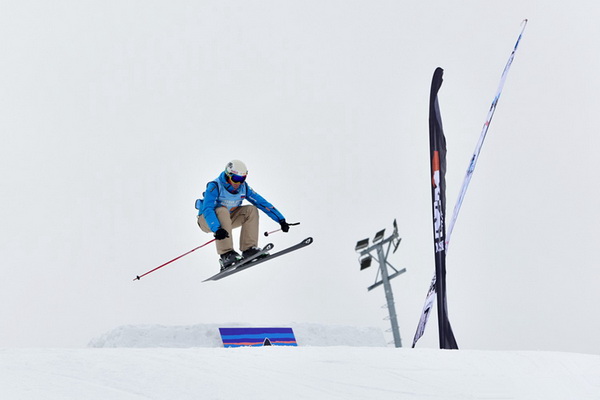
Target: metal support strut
365,258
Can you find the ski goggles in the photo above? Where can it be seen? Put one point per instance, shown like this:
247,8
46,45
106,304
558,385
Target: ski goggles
237,178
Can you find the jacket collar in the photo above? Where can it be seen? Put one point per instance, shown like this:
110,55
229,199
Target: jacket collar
226,185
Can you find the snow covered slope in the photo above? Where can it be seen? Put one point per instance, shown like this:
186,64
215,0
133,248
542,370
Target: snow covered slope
187,363
295,373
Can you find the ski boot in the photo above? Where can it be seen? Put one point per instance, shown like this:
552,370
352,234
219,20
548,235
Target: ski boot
228,259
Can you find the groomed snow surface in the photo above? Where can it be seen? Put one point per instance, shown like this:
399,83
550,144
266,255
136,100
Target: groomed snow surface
157,362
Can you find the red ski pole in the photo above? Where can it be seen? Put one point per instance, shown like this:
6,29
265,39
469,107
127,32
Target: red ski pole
137,278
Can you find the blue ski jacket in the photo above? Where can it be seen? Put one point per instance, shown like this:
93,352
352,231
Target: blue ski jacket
219,193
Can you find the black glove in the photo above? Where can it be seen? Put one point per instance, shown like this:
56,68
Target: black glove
221,234
284,226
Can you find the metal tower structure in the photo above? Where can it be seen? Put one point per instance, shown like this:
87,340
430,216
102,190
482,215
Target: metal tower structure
365,259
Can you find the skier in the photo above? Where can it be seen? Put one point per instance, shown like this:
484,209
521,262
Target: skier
220,211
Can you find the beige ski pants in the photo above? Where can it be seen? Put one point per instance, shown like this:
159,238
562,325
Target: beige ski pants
244,216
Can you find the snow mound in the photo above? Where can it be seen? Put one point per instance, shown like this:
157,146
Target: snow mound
207,335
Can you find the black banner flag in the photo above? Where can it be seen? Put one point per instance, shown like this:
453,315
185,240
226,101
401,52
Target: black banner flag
437,151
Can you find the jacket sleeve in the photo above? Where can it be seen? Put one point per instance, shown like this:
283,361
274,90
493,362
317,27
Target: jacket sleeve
260,202
209,204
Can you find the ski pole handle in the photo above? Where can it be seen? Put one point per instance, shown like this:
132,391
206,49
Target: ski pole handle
277,230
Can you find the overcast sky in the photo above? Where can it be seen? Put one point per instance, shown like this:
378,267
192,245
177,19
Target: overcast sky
115,114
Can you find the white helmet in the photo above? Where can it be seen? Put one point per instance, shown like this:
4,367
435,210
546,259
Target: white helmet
236,171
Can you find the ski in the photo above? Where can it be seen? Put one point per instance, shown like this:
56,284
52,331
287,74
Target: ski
243,261
254,261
